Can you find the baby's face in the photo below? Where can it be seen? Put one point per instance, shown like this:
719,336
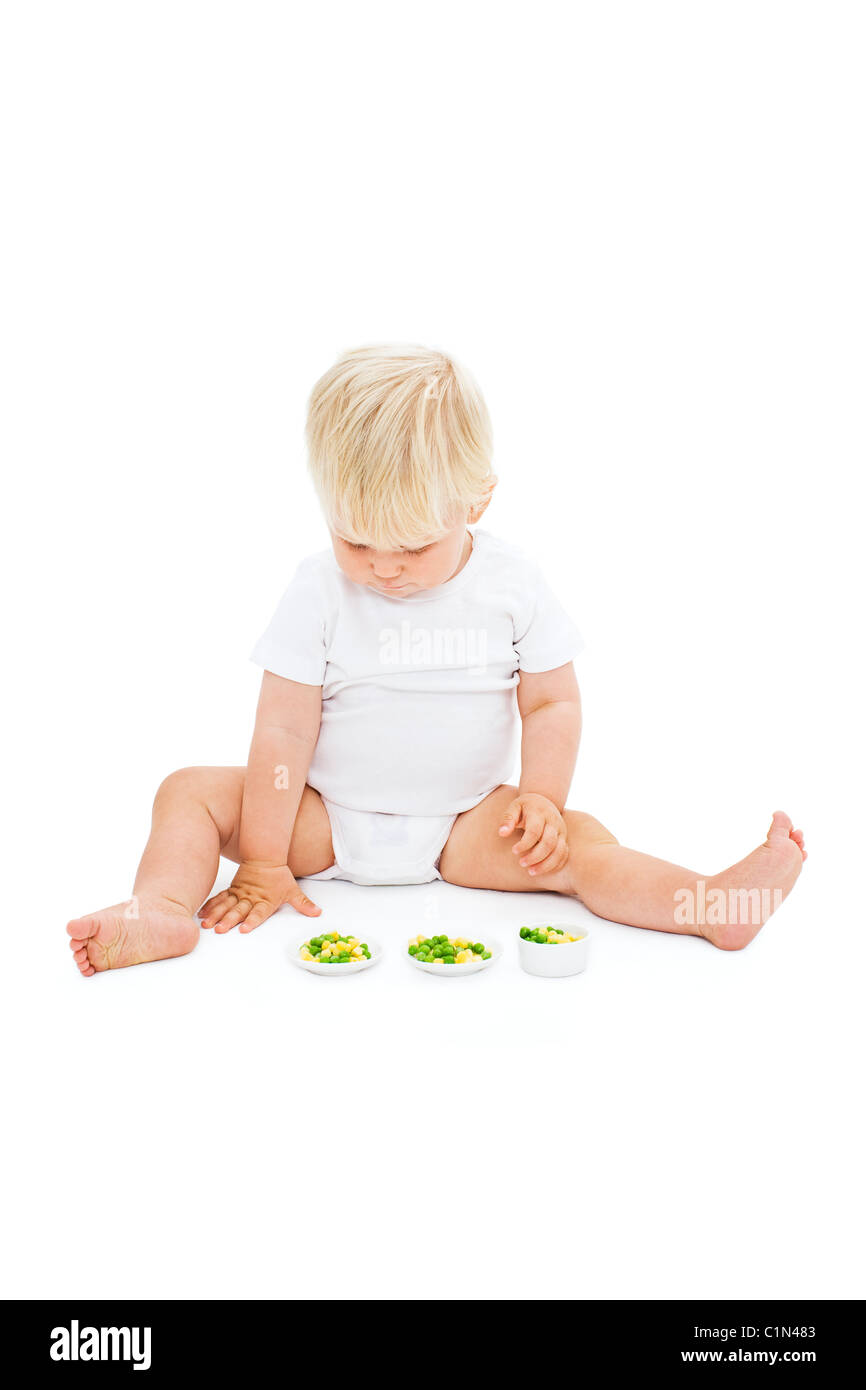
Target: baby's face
405,571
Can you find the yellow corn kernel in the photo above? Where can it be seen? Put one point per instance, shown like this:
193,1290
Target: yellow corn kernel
305,954
463,956
356,951
462,942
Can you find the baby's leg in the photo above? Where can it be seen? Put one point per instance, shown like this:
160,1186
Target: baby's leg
624,885
196,816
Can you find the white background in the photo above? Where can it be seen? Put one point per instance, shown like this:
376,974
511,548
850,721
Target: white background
642,227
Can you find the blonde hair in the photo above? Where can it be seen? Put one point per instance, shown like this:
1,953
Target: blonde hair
399,444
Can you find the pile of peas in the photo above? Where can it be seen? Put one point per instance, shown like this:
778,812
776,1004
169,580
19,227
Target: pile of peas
456,951
333,949
546,936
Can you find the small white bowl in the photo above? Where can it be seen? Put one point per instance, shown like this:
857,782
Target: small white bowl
554,962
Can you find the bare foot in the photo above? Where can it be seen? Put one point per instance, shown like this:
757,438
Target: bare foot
753,889
130,933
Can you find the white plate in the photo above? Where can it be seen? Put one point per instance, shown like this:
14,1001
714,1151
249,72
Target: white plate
349,967
471,967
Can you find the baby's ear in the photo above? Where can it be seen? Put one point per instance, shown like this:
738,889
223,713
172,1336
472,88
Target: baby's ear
476,512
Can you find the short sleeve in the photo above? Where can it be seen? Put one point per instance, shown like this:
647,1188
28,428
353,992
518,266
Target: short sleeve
544,635
294,644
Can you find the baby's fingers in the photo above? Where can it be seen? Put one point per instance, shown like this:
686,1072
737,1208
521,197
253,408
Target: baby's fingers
216,907
511,819
543,848
556,860
301,903
259,913
234,915
531,835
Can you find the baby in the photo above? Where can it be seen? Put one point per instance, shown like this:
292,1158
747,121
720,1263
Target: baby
398,668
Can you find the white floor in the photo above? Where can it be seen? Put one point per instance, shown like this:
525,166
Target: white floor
228,1125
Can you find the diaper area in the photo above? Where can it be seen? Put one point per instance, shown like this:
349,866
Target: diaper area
375,848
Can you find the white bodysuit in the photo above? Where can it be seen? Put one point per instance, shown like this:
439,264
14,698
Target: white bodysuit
419,710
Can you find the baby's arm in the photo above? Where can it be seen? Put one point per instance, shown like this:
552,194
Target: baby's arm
549,704
287,726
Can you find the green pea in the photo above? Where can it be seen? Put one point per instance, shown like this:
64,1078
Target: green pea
413,950
478,948
525,932
541,937
422,955
436,952
364,946
448,960
486,955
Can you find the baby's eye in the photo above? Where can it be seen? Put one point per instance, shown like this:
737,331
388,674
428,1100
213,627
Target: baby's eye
422,551
353,545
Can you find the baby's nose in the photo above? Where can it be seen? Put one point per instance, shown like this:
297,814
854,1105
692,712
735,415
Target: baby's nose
383,568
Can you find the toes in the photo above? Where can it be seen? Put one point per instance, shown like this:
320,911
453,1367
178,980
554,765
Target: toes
782,825
80,928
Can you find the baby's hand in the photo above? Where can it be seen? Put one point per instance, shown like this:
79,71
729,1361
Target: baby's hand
257,891
543,847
